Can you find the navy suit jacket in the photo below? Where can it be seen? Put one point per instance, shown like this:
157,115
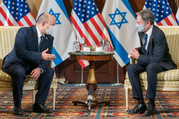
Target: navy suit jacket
157,51
25,51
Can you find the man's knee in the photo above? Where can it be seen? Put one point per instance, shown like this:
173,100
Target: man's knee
152,67
19,73
131,67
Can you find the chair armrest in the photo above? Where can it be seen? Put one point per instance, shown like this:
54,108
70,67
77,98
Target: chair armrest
54,80
132,61
0,63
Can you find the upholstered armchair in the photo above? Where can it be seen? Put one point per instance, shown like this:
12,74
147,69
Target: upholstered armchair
167,80
7,38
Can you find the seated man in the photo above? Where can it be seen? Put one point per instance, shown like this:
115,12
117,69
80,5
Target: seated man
153,57
32,55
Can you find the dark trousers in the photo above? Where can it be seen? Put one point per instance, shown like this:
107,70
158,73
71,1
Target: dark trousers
18,74
133,72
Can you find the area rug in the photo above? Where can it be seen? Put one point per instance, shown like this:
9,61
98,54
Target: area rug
167,104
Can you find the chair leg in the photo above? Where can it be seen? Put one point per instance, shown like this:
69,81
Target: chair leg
54,98
127,98
33,96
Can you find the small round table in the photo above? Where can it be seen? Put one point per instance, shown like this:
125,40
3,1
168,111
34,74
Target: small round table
92,57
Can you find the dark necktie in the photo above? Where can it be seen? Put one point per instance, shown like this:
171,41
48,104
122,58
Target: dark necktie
145,42
41,41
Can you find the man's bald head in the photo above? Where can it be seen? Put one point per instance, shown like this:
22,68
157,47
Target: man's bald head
44,21
45,17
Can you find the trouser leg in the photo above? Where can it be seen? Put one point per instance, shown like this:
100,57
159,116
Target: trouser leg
133,72
17,72
44,83
152,70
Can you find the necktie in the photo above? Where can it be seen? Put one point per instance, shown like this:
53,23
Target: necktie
145,42
41,41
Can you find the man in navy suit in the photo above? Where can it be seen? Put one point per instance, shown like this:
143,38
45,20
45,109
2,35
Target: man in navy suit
32,55
153,57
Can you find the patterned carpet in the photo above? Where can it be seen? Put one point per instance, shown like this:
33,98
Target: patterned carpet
167,104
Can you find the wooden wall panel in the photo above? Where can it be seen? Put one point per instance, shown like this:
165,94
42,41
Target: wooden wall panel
104,71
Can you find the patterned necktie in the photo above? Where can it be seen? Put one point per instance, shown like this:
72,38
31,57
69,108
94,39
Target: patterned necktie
145,42
41,41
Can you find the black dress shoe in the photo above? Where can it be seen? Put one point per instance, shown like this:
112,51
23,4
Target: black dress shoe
138,109
40,108
150,110
17,111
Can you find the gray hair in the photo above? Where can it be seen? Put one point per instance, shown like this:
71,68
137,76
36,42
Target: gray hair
43,18
146,16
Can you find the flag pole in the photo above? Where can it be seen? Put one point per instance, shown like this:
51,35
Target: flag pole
117,80
81,75
82,83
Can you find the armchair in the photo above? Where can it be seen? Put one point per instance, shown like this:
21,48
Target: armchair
167,80
7,38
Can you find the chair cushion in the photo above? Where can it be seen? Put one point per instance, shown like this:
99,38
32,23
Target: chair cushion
162,85
170,75
5,84
4,77
0,63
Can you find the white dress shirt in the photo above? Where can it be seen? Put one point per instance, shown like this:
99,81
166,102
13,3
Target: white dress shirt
39,34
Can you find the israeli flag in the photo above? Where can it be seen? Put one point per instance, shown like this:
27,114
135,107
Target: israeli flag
64,34
121,25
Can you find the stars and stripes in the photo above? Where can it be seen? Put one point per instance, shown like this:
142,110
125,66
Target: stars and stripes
88,23
162,12
15,13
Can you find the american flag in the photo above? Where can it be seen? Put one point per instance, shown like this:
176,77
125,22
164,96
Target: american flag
162,12
15,13
88,23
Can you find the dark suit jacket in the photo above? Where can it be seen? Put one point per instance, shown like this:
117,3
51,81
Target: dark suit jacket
157,51
25,49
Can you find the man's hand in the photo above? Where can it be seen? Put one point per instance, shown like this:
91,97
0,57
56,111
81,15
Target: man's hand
134,54
46,56
35,73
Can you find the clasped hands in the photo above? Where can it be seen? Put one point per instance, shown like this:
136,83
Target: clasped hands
134,54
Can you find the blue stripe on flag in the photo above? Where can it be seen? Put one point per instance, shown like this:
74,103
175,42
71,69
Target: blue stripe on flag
58,59
177,21
126,3
62,6
119,48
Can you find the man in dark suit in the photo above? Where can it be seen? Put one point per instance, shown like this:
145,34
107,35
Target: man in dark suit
153,57
32,55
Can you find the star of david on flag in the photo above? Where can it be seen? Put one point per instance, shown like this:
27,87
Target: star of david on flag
120,21
64,34
56,15
15,13
88,23
118,18
162,12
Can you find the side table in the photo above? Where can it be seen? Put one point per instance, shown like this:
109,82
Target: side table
91,83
